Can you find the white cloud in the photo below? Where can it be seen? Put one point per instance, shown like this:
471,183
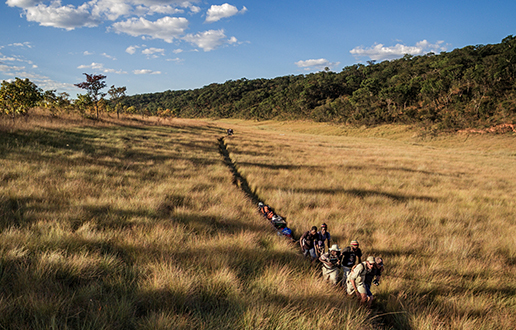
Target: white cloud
216,13
66,17
108,56
131,49
152,51
100,68
177,51
111,9
22,3
379,52
209,40
21,44
86,53
177,60
316,64
166,28
144,71
8,68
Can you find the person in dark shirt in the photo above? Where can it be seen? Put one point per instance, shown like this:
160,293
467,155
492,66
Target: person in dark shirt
322,236
350,255
307,242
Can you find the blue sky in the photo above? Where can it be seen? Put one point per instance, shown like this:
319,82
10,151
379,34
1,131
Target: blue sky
156,45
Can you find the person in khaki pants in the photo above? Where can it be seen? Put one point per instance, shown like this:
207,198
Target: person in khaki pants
356,279
331,264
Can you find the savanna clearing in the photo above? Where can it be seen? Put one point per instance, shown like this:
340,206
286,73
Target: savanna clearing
136,224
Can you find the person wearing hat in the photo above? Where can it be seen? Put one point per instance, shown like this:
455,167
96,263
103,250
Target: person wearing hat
356,279
350,254
322,236
370,278
331,264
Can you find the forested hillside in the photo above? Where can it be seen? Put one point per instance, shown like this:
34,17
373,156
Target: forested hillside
470,87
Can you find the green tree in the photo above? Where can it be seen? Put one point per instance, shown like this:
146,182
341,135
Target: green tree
83,102
93,85
19,96
117,94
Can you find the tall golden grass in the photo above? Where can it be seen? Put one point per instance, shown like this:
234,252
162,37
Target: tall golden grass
135,224
439,209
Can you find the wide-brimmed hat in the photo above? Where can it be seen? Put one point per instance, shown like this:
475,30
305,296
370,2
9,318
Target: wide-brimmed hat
334,247
371,260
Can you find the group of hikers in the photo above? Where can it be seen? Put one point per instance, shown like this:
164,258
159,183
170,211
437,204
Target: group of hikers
357,276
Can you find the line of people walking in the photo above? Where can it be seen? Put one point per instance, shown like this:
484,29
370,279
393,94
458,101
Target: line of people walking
343,266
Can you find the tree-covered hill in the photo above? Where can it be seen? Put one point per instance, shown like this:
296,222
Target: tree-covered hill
470,87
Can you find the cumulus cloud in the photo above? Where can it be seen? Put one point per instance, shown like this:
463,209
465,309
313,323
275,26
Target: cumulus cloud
316,64
92,13
166,28
209,40
65,17
216,13
131,49
379,52
111,9
145,71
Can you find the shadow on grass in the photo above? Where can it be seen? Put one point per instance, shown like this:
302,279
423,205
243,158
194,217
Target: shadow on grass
238,179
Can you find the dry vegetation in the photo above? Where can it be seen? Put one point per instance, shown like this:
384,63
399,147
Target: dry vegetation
440,210
135,224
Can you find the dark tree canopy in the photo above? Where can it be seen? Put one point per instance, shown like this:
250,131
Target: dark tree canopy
470,87
93,85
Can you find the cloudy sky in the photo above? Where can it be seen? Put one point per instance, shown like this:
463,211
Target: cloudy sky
156,45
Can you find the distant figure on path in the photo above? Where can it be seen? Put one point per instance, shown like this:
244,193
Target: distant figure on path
331,264
230,131
356,279
307,242
350,254
322,236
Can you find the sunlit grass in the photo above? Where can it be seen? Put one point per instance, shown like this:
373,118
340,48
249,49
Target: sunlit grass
440,210
131,224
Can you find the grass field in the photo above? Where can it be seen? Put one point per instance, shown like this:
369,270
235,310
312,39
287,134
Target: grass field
136,224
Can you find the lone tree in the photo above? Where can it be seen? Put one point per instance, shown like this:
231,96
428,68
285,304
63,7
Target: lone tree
117,94
93,85
19,96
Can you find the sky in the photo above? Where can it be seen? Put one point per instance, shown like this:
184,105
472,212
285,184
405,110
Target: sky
152,46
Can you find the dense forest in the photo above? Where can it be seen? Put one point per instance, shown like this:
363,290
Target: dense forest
470,87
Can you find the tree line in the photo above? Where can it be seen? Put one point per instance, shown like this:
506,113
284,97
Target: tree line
469,87
17,97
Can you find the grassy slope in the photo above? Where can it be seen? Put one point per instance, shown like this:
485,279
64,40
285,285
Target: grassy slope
132,225
440,210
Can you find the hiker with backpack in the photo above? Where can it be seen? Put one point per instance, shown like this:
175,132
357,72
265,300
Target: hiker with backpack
356,280
331,264
307,242
322,236
373,277
350,255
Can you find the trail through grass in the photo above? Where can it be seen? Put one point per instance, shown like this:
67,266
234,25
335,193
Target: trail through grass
135,224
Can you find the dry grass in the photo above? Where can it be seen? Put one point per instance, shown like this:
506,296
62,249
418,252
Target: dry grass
440,210
135,224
